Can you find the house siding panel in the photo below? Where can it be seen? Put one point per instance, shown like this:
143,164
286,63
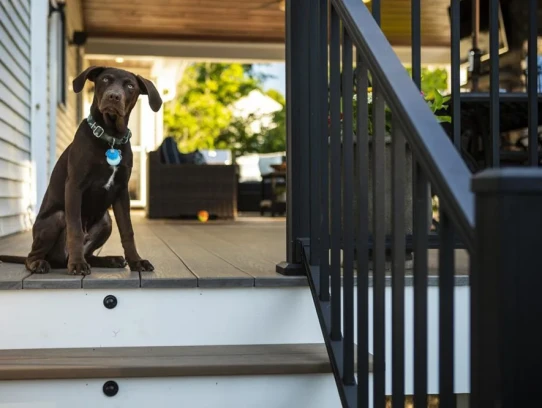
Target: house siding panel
15,174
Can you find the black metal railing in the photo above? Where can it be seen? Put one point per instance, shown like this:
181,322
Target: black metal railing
359,208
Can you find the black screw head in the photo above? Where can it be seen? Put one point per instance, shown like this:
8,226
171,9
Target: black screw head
110,302
111,388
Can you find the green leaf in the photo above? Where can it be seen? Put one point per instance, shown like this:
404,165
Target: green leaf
444,118
438,99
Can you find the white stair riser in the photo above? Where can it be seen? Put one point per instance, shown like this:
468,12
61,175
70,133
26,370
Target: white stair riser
179,317
157,317
277,391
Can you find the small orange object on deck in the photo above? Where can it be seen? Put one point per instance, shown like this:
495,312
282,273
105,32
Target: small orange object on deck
203,216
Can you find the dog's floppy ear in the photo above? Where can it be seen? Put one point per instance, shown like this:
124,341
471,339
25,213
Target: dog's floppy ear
90,73
148,88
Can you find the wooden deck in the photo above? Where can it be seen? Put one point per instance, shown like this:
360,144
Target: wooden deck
186,254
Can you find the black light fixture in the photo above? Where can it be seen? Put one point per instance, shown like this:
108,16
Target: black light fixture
79,38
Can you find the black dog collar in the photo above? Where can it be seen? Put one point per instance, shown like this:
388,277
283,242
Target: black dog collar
99,132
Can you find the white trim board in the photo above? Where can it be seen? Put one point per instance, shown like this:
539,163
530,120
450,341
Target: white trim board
106,48
272,391
54,24
38,56
97,48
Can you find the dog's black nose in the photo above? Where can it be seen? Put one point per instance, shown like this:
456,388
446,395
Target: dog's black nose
114,96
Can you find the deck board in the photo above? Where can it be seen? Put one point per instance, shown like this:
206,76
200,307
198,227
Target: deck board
262,270
265,241
188,254
56,279
11,277
211,270
170,271
49,364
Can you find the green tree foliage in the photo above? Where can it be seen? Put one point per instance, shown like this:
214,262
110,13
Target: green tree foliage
275,136
201,116
436,79
201,111
240,138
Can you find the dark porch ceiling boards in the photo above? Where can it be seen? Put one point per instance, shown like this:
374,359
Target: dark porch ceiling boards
219,20
435,23
241,21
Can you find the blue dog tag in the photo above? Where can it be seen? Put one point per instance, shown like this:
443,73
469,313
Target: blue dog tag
113,157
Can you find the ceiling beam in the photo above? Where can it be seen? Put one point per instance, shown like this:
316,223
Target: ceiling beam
223,51
97,47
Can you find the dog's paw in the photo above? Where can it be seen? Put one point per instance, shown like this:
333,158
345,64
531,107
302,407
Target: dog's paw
79,268
116,261
39,267
141,266
107,261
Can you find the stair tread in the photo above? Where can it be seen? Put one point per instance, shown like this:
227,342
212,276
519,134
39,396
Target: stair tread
73,363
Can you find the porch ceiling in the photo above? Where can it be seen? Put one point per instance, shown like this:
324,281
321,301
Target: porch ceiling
259,21
224,20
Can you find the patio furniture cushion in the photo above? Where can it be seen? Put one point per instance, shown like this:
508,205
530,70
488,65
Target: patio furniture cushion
170,154
169,151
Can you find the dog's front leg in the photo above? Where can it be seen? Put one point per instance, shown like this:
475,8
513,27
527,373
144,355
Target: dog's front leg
121,209
75,236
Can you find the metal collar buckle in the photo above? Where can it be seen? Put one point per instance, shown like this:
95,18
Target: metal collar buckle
126,137
97,130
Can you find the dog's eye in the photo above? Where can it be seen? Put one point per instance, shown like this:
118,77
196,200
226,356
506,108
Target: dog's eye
130,86
105,80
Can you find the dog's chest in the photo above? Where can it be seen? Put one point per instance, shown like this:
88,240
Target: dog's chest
109,178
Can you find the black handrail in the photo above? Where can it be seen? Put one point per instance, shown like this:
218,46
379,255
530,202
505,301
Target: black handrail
443,165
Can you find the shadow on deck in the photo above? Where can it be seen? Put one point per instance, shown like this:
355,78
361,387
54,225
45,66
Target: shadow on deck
188,254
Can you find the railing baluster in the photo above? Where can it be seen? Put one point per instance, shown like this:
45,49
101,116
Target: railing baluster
398,265
316,131
362,248
375,8
416,42
348,207
456,88
336,207
476,53
379,237
446,312
494,104
379,243
421,228
532,82
324,151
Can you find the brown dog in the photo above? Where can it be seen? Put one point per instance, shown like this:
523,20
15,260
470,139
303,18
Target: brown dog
73,221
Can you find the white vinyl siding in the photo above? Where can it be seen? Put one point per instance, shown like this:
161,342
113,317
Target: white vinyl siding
15,85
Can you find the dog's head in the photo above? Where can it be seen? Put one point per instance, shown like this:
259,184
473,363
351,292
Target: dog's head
115,95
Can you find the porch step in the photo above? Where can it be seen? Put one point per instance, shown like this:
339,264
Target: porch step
147,362
263,376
